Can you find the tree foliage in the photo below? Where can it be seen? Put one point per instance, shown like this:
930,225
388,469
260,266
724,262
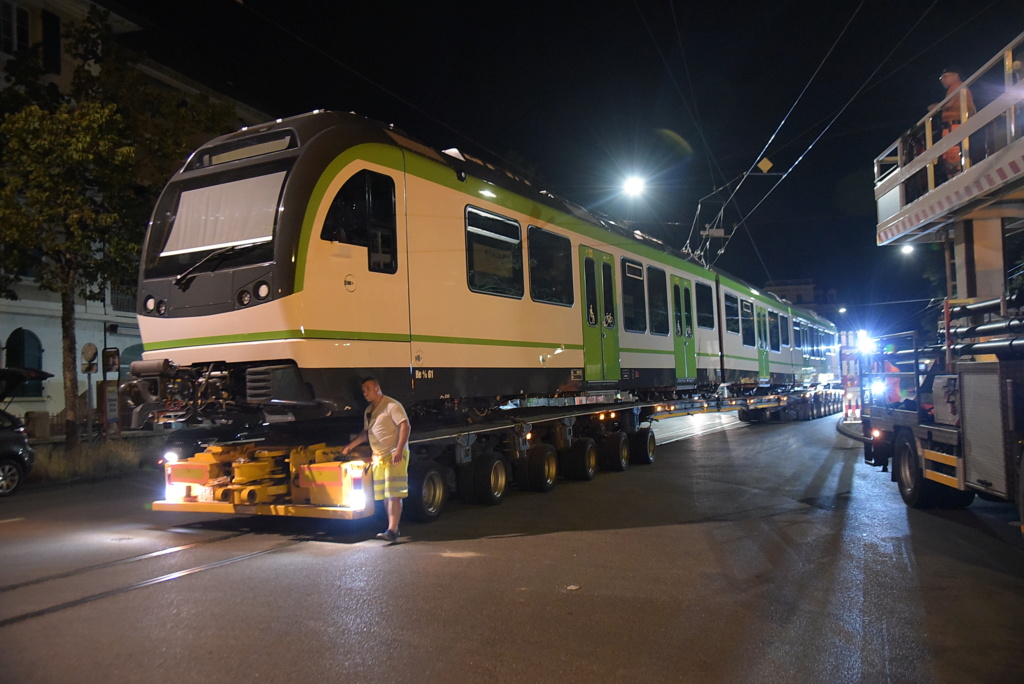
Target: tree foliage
80,171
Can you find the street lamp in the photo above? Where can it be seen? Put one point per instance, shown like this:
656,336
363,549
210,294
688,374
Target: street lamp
907,249
634,186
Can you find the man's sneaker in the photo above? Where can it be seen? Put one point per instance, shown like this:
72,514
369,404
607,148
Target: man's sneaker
388,536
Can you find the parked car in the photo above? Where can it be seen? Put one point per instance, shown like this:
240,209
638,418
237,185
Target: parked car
16,456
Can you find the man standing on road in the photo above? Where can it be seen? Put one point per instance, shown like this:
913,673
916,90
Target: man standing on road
386,427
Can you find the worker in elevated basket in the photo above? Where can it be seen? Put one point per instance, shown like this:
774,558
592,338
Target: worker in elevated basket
386,427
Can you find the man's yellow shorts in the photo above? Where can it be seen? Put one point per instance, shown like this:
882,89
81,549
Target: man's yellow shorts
390,481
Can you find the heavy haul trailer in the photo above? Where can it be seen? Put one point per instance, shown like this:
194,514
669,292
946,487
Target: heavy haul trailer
950,417
266,472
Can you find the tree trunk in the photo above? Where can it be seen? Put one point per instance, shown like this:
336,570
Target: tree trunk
72,443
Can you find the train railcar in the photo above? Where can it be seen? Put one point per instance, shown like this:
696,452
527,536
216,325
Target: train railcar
286,261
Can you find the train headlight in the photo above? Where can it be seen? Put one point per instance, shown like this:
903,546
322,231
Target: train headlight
171,457
244,297
161,307
149,304
262,290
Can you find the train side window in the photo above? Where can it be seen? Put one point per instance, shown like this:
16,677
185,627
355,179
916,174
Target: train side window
494,254
657,296
798,341
634,305
677,310
687,312
363,214
705,306
773,331
747,322
732,314
608,283
590,290
784,326
550,267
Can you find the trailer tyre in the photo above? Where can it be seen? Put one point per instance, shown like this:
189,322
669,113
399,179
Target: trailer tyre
614,451
427,492
490,479
580,461
641,446
542,467
916,491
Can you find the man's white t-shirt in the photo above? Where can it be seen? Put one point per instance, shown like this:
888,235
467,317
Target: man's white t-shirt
382,423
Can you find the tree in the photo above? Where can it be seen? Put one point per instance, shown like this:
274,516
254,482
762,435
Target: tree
56,171
80,171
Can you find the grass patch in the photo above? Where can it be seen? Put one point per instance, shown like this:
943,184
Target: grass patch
96,458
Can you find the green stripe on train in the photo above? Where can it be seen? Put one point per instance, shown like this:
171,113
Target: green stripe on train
348,335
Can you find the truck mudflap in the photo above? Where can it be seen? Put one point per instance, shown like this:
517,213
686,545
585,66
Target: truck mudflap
247,479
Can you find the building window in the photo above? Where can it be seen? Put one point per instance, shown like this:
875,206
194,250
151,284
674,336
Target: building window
657,295
51,43
24,350
551,269
13,28
732,314
634,304
705,306
494,254
363,214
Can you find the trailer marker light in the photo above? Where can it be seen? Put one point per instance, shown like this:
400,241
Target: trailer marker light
876,433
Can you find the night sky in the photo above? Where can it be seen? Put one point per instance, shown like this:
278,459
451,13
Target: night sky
578,95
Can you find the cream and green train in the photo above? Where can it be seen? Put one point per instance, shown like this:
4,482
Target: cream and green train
285,262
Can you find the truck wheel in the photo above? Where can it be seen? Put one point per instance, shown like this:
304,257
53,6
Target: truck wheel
580,461
743,415
490,479
614,451
427,492
541,467
917,492
10,477
641,446
956,499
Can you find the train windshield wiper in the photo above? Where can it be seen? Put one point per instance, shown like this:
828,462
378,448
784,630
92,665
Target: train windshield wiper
183,276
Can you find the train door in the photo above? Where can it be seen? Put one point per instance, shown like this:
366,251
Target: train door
763,360
600,320
684,346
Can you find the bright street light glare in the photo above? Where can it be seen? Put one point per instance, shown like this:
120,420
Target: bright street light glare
634,186
907,249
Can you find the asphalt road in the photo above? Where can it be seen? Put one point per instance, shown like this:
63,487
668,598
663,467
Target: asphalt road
746,553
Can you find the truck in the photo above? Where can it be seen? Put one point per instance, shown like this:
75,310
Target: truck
943,411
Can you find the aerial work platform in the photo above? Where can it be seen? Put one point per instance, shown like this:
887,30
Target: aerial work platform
918,195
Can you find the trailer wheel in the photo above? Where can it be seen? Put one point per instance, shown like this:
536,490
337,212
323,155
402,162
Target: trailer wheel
541,467
427,492
614,451
916,491
641,446
490,479
580,461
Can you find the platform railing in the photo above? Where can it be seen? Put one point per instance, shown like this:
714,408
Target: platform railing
911,167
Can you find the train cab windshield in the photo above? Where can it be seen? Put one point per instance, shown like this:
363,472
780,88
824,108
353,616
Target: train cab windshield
216,215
